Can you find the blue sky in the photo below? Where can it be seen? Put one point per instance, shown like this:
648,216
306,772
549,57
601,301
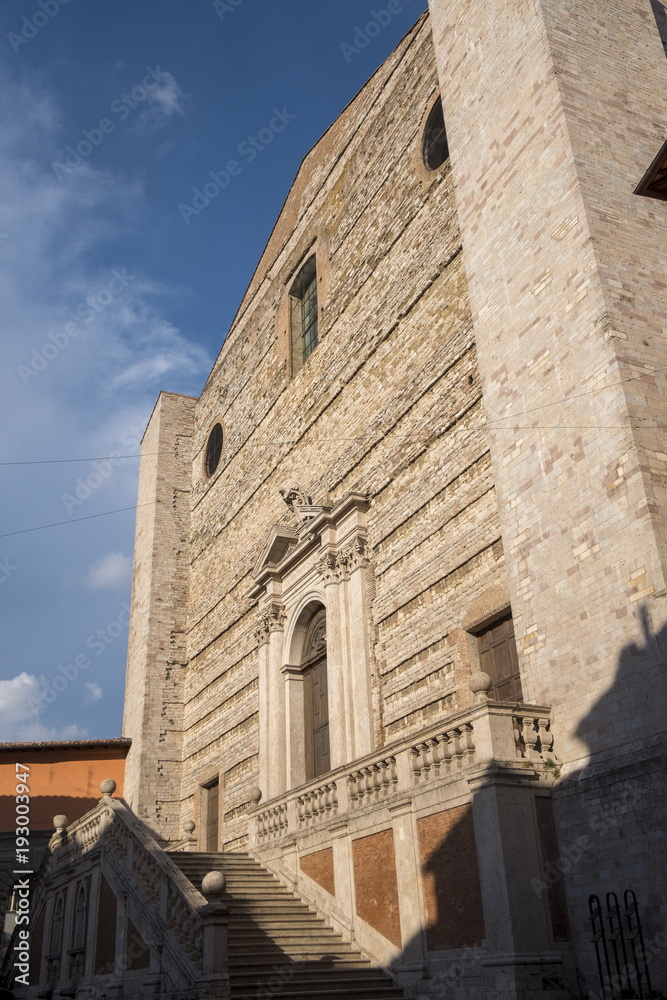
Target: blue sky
113,113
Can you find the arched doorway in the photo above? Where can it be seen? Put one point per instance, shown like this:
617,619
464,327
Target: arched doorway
316,699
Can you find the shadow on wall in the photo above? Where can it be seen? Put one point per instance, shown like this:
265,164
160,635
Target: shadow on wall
660,14
611,818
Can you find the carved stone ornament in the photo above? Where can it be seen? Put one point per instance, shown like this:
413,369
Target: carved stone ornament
329,568
271,620
352,558
296,498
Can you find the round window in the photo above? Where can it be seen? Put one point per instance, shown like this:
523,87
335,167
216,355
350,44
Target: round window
434,148
213,450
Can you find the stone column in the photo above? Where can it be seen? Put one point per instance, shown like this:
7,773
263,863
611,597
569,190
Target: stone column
272,748
358,646
336,680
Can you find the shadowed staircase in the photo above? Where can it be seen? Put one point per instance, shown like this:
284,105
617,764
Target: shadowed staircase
277,945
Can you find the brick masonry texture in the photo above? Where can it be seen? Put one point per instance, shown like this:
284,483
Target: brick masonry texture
388,405
450,874
375,884
320,867
491,377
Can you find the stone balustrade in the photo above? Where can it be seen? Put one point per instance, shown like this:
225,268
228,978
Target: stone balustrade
490,731
184,931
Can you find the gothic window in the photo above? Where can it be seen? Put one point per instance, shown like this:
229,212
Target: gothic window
213,451
434,144
316,698
498,658
303,315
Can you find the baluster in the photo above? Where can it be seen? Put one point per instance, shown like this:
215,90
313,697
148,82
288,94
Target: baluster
393,773
455,747
469,745
546,737
352,788
334,796
375,770
530,737
415,763
434,753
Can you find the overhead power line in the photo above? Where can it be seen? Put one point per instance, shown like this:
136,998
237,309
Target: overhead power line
73,520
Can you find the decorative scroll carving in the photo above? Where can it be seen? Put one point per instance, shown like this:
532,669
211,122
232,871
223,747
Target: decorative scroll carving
316,639
299,502
272,619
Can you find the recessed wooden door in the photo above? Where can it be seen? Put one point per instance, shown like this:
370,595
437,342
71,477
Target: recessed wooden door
498,658
212,803
317,719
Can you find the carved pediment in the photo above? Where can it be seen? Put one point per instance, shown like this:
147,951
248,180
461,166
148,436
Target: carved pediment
281,539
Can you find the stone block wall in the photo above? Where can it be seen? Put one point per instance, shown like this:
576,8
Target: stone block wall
389,405
157,647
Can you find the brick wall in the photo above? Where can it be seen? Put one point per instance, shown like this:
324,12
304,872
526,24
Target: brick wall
320,867
450,878
376,885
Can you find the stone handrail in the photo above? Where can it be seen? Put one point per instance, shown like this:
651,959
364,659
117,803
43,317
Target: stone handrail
486,731
186,928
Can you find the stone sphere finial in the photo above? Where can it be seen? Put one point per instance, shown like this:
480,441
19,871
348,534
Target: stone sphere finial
60,823
255,795
480,685
213,885
108,787
189,827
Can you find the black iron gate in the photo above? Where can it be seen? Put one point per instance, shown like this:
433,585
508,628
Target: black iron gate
619,948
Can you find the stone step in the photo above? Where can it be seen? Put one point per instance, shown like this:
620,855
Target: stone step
278,944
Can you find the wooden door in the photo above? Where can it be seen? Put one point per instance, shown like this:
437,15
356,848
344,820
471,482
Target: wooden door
212,804
498,658
317,719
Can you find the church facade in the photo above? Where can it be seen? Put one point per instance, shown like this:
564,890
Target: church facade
398,613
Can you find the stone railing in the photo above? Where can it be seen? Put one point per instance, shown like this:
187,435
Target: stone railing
486,732
185,931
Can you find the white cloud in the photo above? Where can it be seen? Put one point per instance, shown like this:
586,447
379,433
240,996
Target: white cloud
21,704
167,100
112,571
94,692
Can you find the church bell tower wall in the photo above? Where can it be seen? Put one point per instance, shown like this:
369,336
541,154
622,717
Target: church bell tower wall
156,654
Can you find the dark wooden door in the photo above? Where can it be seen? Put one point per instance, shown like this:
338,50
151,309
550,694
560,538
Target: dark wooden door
497,658
212,803
317,719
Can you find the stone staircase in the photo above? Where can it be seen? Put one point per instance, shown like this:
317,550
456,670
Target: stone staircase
278,946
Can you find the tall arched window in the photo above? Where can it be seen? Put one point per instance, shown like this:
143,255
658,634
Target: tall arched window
316,697
80,918
57,927
303,314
